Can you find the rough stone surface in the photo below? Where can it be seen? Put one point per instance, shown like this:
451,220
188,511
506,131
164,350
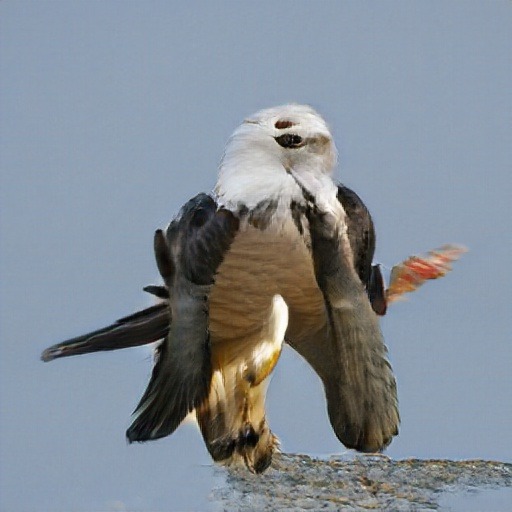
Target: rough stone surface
362,483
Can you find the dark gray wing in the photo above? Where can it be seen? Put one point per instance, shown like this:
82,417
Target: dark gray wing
141,328
348,352
361,234
188,255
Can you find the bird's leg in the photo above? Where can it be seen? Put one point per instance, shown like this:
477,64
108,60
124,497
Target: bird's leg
256,443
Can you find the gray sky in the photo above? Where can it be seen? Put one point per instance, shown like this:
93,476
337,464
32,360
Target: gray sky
115,113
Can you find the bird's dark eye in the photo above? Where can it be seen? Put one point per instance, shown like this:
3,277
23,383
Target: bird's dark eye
290,140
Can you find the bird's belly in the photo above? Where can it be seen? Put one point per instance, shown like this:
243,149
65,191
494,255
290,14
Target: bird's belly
259,265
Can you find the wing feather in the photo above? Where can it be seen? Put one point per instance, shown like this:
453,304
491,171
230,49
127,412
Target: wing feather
348,352
141,328
195,244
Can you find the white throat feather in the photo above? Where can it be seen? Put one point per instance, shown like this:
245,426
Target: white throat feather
256,168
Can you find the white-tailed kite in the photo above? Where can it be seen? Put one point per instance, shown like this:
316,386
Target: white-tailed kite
278,252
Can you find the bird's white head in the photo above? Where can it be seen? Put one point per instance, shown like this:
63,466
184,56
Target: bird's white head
271,151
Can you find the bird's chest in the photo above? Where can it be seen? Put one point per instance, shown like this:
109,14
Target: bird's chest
264,260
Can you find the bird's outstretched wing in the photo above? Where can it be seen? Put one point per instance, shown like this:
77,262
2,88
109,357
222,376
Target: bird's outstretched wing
187,255
348,352
141,328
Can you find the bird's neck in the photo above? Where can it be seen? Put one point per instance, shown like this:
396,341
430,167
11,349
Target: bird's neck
252,178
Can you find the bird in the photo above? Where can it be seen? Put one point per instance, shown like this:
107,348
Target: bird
277,253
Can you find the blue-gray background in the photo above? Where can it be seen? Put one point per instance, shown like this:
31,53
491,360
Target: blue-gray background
115,113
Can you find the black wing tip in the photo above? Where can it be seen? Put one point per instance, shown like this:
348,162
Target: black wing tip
138,434
50,354
134,436
55,352
130,437
141,432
